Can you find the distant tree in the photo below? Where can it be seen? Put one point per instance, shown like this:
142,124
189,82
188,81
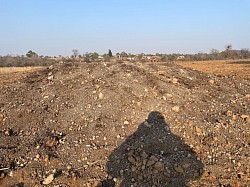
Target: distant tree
87,57
214,54
214,51
245,53
86,54
227,53
106,57
31,54
228,47
140,56
75,53
110,53
124,54
94,55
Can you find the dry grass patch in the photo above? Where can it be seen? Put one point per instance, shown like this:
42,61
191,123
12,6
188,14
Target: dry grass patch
11,74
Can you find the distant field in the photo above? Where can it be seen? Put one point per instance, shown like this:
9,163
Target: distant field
11,74
239,68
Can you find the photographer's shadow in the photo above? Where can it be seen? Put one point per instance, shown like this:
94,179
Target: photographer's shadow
153,156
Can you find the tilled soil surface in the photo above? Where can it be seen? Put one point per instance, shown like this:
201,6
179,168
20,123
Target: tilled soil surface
237,68
125,124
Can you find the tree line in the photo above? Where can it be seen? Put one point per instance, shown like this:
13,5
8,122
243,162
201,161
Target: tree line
33,59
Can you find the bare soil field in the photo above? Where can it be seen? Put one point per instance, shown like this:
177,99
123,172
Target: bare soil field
125,124
237,68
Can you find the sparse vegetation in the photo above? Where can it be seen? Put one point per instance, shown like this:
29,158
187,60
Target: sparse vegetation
8,61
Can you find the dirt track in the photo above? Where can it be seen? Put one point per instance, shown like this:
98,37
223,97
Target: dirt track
123,124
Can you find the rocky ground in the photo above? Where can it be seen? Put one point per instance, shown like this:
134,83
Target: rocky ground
125,124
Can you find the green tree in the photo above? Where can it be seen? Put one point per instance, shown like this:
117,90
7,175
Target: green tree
110,53
31,54
124,54
94,55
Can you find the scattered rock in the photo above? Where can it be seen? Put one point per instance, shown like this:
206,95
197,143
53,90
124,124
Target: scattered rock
98,106
174,81
176,109
49,179
162,73
144,155
243,116
247,96
101,96
152,160
179,169
146,124
229,113
8,132
159,165
198,130
126,122
211,81
38,156
132,160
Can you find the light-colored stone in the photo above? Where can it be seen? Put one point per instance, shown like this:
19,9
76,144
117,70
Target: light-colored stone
229,113
211,81
7,132
176,109
126,122
50,77
38,156
168,95
101,96
49,179
146,124
247,96
244,116
162,73
198,130
174,80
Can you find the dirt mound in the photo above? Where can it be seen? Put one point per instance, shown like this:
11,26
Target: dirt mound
124,124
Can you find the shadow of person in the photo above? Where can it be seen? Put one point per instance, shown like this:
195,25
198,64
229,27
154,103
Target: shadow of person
153,156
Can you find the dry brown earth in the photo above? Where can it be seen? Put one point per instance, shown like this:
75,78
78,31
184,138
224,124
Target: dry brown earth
238,68
125,124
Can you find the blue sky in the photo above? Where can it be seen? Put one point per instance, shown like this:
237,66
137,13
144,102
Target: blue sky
55,27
